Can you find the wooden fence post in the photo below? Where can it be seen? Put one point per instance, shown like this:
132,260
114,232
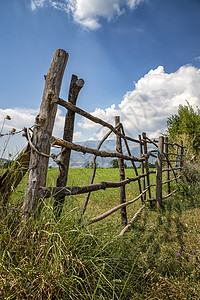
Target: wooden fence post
167,163
147,165
122,175
75,87
159,172
42,132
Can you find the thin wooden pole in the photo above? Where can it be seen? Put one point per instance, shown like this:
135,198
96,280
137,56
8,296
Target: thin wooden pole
147,164
75,87
182,153
142,167
167,164
159,172
42,132
121,175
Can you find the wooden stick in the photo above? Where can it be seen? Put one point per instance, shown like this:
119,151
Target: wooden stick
42,132
165,197
46,192
83,149
121,175
132,221
75,87
112,210
159,172
170,180
90,117
133,164
142,168
167,163
94,170
146,162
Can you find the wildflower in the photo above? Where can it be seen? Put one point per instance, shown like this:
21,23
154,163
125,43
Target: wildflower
178,261
178,254
194,252
8,117
196,264
13,130
179,247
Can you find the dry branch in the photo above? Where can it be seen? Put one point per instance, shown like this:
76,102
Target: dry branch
170,180
132,220
46,192
94,169
114,209
90,117
83,149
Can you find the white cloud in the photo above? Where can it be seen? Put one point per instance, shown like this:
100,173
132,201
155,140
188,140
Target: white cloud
156,97
88,12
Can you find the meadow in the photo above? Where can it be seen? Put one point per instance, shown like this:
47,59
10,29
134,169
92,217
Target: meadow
158,258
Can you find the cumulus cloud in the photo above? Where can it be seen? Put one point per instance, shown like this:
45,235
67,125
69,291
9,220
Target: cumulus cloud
156,96
87,13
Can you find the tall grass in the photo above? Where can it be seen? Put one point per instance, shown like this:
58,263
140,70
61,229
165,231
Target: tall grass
64,260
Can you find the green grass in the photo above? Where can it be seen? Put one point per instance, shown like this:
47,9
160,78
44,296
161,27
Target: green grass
63,260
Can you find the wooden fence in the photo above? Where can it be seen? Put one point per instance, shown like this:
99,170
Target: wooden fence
168,156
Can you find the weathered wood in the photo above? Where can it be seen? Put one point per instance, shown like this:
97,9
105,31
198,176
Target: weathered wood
133,164
10,179
167,163
94,171
146,163
182,155
159,172
121,175
170,180
90,117
42,132
142,166
46,192
83,149
132,221
75,87
171,169
167,196
114,209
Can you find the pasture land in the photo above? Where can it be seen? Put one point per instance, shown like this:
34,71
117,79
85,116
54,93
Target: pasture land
157,259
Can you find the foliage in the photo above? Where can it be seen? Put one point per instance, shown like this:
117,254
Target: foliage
115,165
185,125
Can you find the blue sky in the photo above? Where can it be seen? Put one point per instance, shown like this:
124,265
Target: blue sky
139,59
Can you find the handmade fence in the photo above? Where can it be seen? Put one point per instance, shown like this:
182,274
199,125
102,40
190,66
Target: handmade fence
42,140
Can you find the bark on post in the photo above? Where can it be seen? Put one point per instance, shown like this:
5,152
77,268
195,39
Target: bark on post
167,164
147,165
42,132
159,172
121,175
75,87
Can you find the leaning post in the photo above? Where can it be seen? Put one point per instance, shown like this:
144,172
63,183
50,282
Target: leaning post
121,175
42,133
74,89
159,172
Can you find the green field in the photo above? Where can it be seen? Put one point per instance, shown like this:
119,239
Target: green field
157,259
